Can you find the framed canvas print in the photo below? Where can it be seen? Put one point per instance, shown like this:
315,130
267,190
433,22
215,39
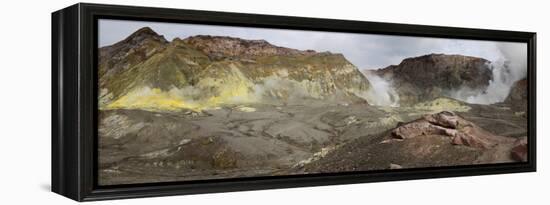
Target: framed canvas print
154,101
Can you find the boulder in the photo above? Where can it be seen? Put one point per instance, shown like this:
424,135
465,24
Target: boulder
461,131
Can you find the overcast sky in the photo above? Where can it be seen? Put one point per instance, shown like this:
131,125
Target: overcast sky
363,50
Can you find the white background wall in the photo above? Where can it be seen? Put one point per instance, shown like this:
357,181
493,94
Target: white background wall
25,102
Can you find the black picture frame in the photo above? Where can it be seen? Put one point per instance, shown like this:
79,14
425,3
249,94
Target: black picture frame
74,101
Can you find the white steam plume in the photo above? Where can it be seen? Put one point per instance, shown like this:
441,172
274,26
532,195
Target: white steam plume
382,92
509,67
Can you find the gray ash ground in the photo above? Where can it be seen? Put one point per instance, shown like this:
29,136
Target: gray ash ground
137,146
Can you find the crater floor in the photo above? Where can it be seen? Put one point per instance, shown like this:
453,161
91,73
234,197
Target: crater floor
137,146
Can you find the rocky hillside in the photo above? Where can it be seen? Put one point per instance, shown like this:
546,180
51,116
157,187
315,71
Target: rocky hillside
146,71
518,95
127,53
430,76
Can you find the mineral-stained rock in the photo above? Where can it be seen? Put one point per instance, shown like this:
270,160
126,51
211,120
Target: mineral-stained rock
145,71
461,131
519,152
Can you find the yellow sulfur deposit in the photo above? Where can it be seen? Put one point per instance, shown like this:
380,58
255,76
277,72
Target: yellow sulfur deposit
442,104
233,89
151,99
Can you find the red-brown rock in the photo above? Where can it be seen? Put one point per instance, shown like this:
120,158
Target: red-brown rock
519,152
461,131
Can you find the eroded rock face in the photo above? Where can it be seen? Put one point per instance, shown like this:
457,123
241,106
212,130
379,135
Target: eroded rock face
224,46
449,124
430,76
517,98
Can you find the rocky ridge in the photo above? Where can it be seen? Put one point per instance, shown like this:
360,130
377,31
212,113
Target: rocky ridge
430,76
201,72
217,47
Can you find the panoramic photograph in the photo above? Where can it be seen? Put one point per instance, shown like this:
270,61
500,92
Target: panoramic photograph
186,102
